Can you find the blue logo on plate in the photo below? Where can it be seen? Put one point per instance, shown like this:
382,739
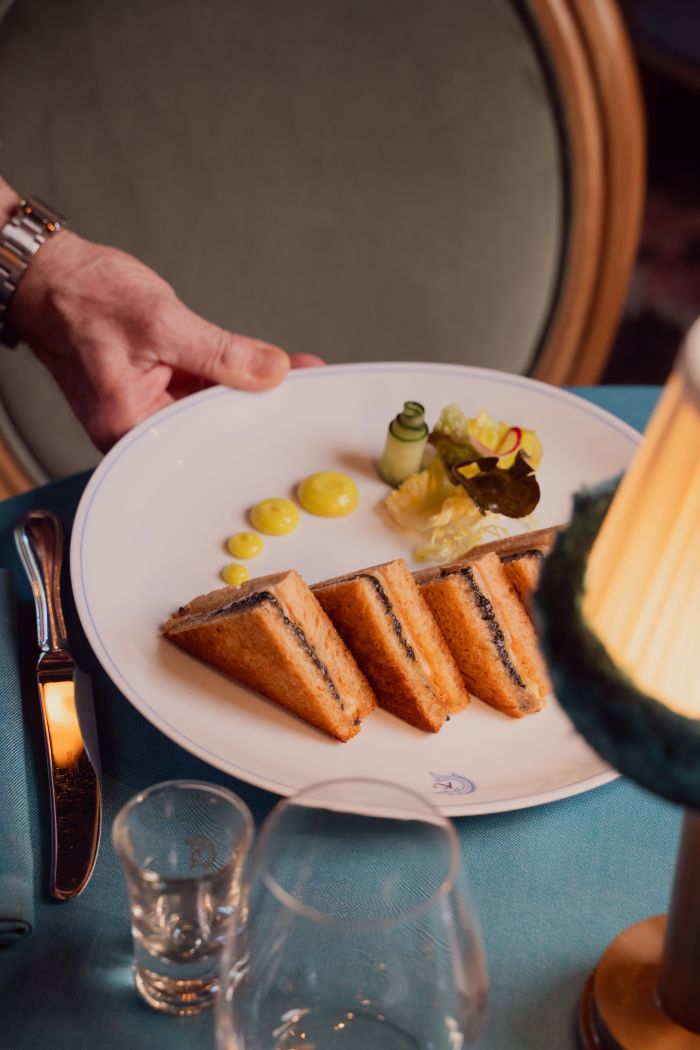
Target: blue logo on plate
452,784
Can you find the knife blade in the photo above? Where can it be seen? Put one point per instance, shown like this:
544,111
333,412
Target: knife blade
68,713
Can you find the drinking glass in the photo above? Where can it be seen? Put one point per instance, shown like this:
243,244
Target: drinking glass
359,932
182,845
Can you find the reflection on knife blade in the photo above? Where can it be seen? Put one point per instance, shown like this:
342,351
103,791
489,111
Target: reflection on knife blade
75,789
62,726
67,713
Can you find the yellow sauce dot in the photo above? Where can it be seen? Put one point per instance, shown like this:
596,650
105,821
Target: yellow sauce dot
244,545
276,517
234,574
328,494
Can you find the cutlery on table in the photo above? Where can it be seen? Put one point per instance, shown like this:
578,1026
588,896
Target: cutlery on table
68,713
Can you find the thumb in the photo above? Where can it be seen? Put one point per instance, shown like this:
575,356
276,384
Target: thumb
217,356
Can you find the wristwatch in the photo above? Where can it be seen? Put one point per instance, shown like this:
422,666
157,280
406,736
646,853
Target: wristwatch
31,225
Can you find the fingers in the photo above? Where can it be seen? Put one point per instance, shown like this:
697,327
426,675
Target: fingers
305,360
249,364
217,356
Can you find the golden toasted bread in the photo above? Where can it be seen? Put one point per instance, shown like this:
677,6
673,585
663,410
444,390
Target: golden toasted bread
272,635
380,614
489,633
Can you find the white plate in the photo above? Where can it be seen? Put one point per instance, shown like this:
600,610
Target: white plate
150,531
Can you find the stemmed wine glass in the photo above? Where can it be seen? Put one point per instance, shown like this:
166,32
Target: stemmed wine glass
359,932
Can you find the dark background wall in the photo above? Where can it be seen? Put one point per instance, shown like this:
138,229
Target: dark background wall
664,295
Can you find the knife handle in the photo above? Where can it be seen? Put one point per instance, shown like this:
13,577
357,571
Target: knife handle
39,539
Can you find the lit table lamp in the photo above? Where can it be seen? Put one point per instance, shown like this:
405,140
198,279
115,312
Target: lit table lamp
618,610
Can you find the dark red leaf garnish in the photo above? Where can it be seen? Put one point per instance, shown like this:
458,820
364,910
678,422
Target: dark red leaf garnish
513,491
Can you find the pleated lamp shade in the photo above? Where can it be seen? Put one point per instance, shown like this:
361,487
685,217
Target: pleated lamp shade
642,584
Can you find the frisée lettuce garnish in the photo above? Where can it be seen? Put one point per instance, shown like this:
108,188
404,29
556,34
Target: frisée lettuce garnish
481,475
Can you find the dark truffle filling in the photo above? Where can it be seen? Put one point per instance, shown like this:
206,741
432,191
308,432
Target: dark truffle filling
506,559
489,617
266,596
388,610
388,607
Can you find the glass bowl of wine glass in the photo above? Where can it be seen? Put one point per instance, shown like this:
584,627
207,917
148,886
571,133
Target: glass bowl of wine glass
356,931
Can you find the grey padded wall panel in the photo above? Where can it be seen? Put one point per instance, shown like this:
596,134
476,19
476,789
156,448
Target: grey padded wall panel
360,179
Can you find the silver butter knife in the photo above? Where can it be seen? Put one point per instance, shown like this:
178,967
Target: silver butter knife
68,713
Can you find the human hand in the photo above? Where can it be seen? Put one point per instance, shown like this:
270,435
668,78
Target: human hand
120,343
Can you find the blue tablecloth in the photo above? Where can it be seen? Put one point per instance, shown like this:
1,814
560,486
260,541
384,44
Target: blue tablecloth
552,884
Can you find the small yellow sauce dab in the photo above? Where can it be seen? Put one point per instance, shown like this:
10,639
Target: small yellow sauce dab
244,545
275,517
234,574
329,494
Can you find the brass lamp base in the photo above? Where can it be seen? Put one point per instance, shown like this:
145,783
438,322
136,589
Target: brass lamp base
620,1009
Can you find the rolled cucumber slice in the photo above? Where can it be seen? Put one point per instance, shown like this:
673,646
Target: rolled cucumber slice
405,444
